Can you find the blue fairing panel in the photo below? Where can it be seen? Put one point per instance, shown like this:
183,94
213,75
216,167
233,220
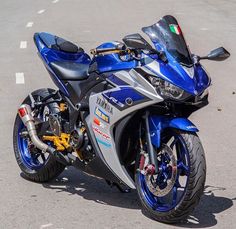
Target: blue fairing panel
118,97
159,123
175,73
112,62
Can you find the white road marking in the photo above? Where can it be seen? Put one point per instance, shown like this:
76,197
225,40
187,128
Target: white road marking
46,225
29,24
204,29
23,44
55,1
41,11
20,78
87,31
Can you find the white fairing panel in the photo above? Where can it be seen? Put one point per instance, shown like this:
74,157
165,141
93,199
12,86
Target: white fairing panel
108,107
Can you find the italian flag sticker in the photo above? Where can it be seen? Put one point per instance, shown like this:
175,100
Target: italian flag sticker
175,29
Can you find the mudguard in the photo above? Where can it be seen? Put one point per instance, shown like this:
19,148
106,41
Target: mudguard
158,123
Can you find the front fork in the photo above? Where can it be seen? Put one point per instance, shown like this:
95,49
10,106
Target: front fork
154,124
148,161
153,164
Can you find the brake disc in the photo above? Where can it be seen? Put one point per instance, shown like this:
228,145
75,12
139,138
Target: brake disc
170,181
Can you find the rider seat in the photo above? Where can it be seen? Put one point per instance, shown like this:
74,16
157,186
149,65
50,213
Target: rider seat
68,70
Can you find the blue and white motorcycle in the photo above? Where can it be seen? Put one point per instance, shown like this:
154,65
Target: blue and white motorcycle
121,115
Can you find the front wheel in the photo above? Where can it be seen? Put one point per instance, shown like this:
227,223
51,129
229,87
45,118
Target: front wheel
173,193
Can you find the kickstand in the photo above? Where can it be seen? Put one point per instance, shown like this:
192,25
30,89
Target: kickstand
118,186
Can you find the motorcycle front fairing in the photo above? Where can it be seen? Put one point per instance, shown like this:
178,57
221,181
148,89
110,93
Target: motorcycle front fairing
180,70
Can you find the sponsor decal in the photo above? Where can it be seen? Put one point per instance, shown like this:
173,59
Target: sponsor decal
115,101
98,122
103,143
175,29
102,115
104,135
104,104
124,97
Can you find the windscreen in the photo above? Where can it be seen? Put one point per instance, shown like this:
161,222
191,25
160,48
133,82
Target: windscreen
167,34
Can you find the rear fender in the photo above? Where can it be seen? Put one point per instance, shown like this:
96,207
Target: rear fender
158,123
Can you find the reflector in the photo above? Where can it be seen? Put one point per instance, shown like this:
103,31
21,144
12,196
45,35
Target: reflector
22,111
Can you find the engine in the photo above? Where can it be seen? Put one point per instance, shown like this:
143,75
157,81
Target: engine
76,141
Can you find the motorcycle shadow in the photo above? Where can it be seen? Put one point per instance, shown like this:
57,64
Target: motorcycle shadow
204,214
91,188
210,204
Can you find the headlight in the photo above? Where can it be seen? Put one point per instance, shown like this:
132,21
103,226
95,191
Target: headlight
166,89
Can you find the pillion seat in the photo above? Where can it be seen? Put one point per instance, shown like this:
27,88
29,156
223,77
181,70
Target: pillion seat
58,43
67,66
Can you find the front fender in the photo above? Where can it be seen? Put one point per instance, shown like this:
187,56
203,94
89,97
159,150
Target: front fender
158,123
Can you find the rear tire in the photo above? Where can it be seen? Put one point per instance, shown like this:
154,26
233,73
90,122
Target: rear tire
51,168
194,185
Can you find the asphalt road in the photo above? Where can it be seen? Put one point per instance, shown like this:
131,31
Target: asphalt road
76,200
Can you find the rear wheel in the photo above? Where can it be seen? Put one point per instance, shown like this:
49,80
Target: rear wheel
173,193
35,165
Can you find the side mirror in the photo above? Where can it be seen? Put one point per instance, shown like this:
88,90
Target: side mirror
136,41
218,54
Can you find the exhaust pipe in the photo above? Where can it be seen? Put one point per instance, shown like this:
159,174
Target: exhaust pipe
25,114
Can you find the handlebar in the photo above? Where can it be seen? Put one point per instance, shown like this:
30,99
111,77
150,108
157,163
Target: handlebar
119,48
123,50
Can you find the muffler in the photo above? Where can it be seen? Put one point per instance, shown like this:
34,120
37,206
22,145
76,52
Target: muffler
25,114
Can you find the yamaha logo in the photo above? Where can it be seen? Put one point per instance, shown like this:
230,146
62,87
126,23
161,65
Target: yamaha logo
129,101
104,104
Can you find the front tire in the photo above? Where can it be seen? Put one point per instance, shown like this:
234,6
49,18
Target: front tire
34,169
193,166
